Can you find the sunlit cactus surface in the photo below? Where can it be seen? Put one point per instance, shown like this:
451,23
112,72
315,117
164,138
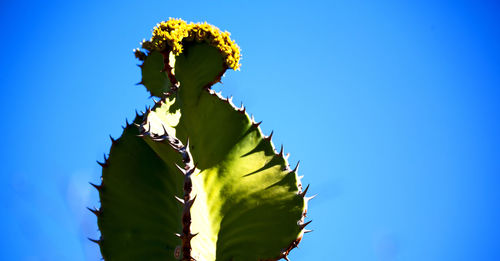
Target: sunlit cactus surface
194,177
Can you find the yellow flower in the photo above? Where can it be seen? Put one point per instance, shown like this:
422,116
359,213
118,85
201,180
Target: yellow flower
170,34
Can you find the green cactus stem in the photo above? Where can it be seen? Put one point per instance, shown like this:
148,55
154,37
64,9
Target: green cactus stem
194,178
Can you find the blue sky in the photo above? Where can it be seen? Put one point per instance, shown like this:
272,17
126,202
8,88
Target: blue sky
392,107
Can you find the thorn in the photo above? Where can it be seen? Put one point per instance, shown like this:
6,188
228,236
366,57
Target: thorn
256,124
104,165
242,108
311,197
191,202
96,186
307,231
155,101
190,171
179,199
136,113
281,151
139,83
305,224
192,235
96,212
303,193
126,122
113,141
95,241
296,167
285,257
181,169
270,136
164,130
178,235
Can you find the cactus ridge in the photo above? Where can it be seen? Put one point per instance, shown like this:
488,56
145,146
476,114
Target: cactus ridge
240,201
188,169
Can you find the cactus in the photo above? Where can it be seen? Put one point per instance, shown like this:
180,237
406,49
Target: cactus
193,177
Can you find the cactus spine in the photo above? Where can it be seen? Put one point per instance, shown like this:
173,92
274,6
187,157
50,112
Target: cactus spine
239,200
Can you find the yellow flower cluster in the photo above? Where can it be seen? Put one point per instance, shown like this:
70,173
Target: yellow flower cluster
172,32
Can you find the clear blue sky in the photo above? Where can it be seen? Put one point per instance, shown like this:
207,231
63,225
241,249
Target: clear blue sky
392,107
